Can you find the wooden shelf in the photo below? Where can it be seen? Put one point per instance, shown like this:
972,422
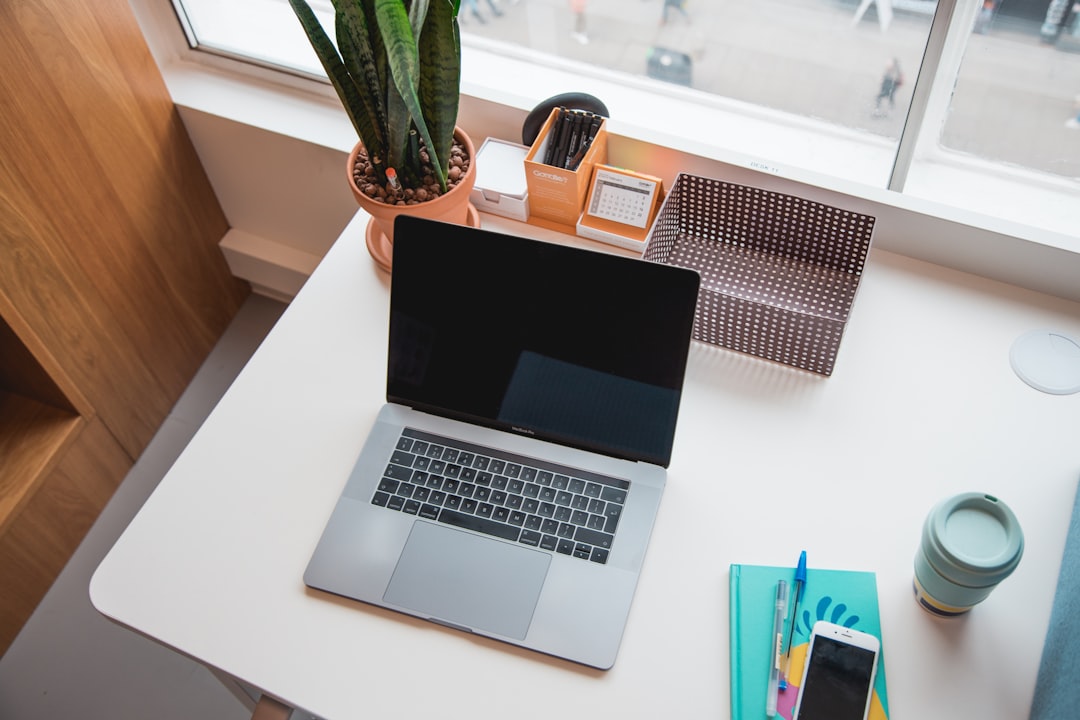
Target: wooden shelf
39,415
32,437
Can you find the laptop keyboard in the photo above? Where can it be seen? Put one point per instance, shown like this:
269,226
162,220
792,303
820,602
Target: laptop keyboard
507,496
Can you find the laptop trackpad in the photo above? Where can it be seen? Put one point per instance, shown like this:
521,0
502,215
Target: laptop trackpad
467,580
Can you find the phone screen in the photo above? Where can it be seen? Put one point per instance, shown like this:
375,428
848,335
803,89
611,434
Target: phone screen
837,681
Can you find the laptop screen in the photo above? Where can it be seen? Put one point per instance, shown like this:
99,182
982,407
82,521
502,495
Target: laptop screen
582,348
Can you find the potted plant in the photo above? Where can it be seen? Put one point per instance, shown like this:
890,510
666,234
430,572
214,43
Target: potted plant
396,68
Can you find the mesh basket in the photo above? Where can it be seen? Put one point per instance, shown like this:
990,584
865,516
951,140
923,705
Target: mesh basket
778,273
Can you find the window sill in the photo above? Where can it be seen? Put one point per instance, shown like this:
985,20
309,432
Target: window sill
911,224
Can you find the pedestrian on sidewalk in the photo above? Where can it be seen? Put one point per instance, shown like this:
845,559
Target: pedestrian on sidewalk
985,16
474,9
578,33
679,5
1073,123
890,81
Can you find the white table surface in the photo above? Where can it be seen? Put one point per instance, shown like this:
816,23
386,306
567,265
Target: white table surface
768,461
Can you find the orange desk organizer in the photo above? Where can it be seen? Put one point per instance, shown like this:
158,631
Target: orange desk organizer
557,194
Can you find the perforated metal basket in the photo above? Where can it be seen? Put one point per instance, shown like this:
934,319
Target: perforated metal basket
778,273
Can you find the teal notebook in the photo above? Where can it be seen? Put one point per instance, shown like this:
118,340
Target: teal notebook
844,597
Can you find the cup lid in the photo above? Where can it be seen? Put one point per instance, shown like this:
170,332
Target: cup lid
973,539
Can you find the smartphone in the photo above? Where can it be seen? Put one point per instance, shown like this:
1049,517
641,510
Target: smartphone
838,674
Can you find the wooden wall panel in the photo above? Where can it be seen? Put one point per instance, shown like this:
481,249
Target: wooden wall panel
50,527
108,225
111,279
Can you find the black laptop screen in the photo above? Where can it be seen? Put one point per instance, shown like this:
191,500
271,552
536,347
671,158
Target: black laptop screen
580,347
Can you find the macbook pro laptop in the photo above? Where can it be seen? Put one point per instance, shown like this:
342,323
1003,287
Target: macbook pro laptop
509,485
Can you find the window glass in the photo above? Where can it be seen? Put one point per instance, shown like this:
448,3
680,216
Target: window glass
1017,94
826,60
265,31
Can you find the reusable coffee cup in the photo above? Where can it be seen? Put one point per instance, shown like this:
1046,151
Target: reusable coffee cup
970,543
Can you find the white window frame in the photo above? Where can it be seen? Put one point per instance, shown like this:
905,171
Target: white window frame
306,109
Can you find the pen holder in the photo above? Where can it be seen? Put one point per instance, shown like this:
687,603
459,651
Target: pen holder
555,193
778,273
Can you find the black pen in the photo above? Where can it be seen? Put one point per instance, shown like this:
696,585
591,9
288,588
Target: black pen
553,136
597,121
564,141
579,155
575,138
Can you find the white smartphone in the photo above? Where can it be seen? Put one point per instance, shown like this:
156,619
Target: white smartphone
838,674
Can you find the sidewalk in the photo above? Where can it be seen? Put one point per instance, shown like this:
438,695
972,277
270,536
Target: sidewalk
808,58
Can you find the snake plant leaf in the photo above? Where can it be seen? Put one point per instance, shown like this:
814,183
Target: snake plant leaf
417,14
352,98
355,46
377,46
398,122
404,61
400,125
440,62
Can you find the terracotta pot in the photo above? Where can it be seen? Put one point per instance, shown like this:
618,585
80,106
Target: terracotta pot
453,207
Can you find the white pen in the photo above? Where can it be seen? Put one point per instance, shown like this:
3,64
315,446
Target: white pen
776,647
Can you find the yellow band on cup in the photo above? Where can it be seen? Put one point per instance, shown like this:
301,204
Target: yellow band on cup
933,606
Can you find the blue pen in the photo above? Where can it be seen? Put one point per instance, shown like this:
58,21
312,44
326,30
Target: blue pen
776,646
800,580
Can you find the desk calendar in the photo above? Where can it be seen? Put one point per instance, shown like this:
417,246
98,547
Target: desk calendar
620,206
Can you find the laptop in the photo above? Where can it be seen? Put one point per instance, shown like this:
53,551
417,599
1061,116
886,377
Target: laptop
509,485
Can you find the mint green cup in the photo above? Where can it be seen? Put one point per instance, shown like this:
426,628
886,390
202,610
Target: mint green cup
970,543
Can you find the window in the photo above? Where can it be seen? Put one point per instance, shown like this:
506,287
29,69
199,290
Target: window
971,109
1015,90
263,31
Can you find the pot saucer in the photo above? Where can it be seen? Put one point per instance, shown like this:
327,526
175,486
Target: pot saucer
382,251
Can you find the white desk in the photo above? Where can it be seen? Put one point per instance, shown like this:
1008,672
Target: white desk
922,404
